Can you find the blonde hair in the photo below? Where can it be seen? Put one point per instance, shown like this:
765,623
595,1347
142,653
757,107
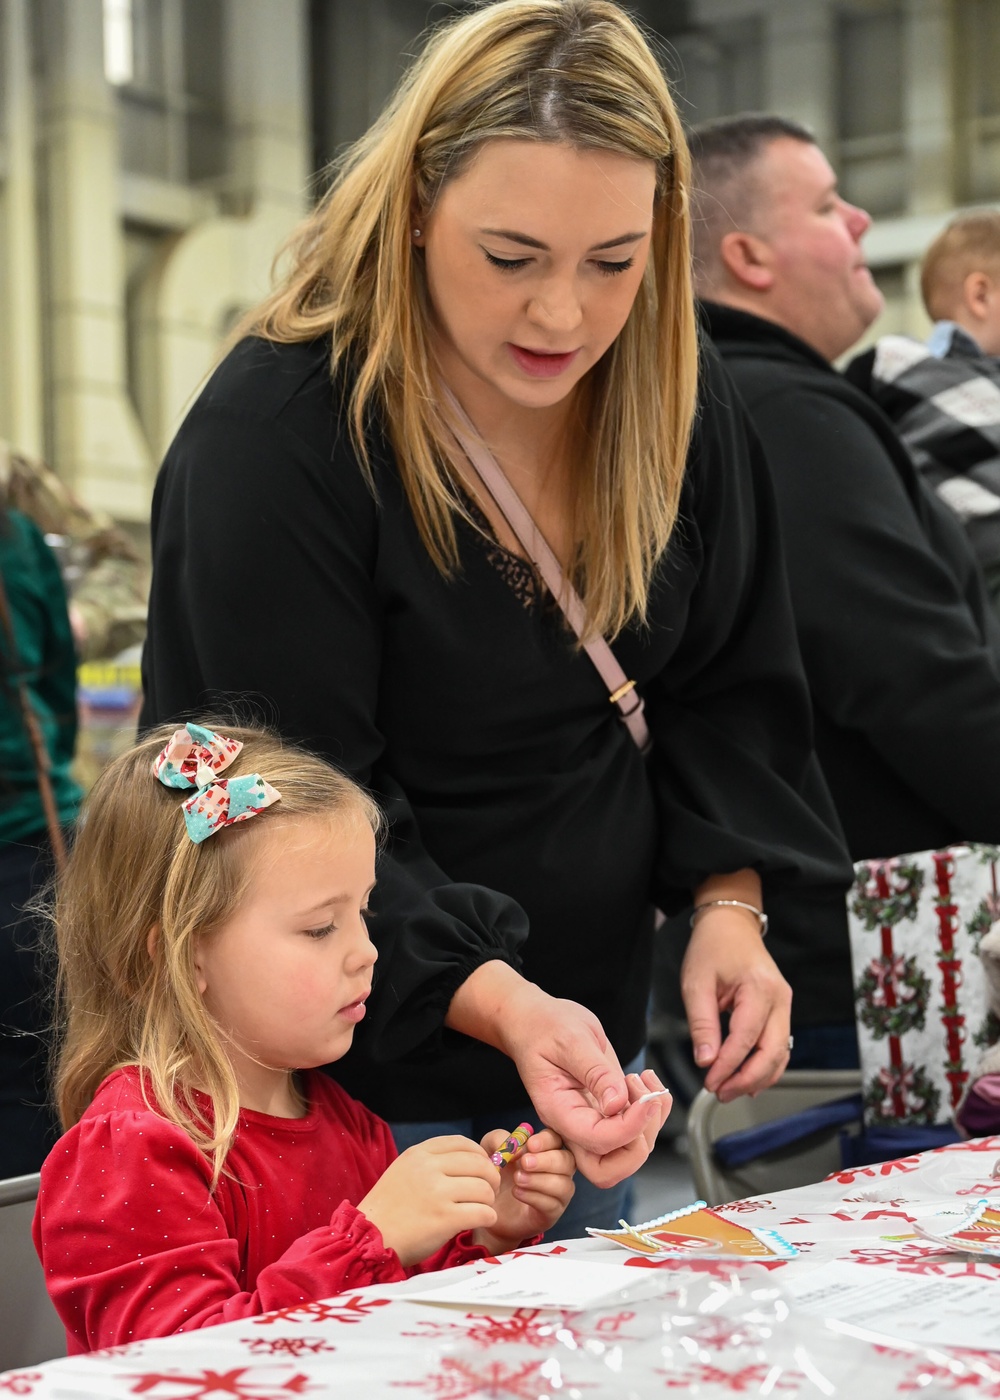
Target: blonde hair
125,998
575,71
970,243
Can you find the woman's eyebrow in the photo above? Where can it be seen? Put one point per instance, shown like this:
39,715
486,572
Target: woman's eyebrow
512,237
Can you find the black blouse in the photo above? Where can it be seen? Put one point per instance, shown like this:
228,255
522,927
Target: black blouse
516,798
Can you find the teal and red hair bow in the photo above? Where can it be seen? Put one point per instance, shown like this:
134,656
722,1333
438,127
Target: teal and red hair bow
192,758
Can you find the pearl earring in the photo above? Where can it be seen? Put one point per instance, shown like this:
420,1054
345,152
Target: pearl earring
417,233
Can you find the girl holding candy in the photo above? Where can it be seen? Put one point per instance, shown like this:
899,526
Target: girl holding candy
213,950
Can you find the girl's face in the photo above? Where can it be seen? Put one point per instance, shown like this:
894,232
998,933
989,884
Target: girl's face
286,977
534,256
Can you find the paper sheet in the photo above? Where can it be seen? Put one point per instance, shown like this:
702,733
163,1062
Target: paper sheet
540,1281
956,1312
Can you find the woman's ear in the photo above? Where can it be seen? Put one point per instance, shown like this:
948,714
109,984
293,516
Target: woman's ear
417,225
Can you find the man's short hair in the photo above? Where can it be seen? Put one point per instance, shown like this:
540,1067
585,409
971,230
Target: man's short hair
970,243
724,190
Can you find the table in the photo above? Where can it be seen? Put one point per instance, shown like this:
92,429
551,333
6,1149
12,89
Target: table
715,1329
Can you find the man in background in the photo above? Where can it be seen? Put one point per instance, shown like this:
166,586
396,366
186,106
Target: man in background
900,646
944,397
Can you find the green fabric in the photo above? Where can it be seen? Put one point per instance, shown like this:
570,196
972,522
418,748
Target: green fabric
46,661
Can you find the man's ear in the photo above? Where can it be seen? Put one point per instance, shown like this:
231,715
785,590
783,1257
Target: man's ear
977,292
747,260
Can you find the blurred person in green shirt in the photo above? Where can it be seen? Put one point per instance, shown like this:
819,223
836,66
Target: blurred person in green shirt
45,662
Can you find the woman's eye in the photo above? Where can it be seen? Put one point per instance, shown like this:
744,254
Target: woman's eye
320,932
506,264
610,269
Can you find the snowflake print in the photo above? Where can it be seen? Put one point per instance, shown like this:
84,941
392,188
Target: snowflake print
461,1380
205,1384
930,1262
20,1382
718,1334
286,1346
987,1144
754,1203
530,1327
353,1309
901,1164
947,1378
747,1380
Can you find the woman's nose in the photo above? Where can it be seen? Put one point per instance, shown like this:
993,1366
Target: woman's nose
556,308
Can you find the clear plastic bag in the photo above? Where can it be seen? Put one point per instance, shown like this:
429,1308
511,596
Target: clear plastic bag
707,1337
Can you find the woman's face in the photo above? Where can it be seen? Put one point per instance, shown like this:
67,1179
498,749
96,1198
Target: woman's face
534,256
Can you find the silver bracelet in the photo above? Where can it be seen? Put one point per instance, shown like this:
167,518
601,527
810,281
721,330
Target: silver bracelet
759,914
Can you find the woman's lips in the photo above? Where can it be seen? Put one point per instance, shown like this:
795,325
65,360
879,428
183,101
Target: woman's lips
540,364
355,1010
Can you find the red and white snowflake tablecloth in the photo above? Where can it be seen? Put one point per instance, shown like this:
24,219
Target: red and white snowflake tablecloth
715,1329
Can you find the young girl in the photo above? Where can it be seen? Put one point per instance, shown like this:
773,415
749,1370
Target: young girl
213,951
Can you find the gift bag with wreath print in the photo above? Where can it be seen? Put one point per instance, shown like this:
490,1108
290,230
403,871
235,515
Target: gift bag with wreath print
916,923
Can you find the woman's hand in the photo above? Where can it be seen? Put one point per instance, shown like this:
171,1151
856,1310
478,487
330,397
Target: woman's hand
567,1065
430,1193
728,968
536,1186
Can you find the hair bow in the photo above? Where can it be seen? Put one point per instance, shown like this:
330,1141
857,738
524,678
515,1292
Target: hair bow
192,758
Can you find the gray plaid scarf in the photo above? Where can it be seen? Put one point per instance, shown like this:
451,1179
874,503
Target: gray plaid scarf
947,411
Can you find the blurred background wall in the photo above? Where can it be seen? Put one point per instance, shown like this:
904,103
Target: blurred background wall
154,154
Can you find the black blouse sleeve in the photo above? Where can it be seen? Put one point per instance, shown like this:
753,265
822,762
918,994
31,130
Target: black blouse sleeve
263,606
736,779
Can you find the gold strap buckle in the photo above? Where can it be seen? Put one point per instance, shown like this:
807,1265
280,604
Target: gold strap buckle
621,692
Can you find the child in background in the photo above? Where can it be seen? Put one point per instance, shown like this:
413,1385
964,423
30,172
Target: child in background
944,397
208,963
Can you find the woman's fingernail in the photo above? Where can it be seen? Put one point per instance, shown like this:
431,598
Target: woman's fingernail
703,1053
608,1100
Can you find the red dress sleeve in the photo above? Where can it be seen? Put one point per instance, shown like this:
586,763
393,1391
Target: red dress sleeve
134,1244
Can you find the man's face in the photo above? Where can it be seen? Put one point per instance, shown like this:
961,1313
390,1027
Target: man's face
822,291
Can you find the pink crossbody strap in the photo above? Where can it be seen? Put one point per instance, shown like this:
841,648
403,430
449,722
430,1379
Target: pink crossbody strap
622,692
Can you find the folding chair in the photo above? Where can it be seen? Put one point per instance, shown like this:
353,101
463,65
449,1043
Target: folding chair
789,1135
30,1330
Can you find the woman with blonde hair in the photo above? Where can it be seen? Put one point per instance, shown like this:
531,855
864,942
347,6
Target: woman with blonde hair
500,275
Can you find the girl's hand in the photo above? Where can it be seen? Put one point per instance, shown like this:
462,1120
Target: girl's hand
432,1192
536,1186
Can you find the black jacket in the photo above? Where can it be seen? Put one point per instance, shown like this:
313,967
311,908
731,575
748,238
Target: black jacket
517,799
901,647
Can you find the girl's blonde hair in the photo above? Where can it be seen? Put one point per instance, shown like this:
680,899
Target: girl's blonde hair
128,998
575,71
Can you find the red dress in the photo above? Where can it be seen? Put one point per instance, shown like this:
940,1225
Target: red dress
135,1244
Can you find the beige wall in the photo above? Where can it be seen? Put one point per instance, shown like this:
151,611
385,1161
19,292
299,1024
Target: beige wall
122,266
116,285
